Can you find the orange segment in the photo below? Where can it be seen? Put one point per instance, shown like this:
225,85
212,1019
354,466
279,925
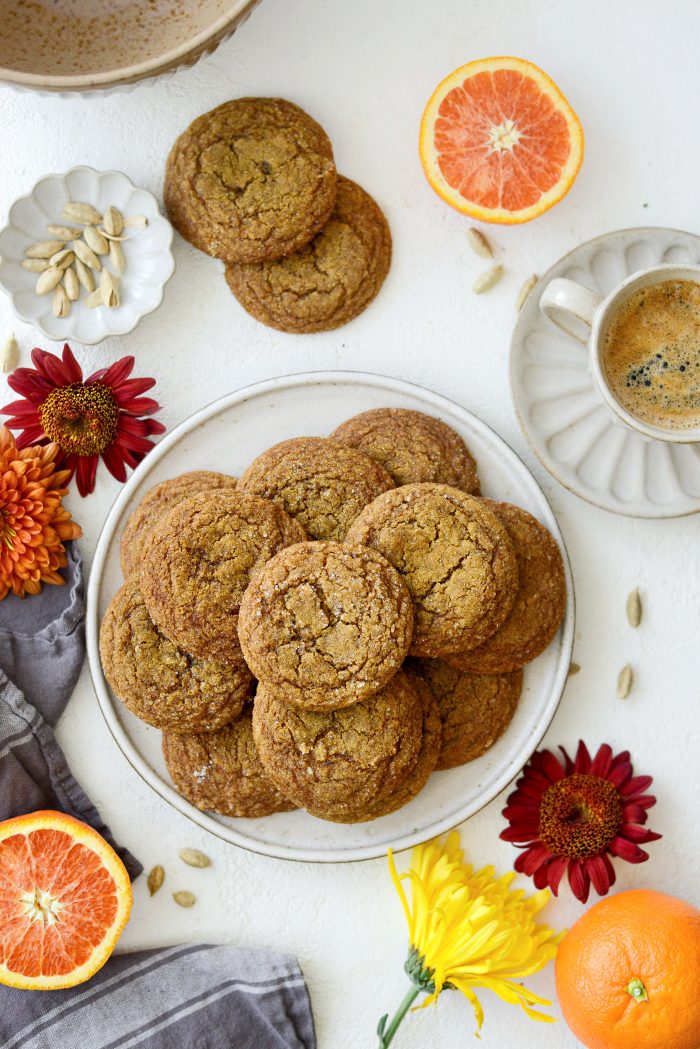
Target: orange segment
499,142
65,897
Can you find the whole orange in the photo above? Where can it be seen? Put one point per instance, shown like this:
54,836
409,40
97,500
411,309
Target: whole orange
628,973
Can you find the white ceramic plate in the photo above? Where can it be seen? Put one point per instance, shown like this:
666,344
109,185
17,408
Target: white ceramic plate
568,427
149,260
229,433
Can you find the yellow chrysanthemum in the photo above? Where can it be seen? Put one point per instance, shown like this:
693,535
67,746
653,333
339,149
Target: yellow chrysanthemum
469,929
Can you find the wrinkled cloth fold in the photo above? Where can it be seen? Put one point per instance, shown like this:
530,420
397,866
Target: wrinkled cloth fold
193,996
42,640
42,647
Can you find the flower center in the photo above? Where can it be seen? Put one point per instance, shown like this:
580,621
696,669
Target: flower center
503,136
579,815
81,419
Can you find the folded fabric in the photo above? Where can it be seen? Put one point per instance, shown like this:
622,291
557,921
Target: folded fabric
42,647
42,640
186,997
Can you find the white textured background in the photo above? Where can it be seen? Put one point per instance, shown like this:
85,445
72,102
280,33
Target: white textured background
365,69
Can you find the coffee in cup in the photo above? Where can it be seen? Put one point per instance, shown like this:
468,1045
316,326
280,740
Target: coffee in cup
651,354
643,341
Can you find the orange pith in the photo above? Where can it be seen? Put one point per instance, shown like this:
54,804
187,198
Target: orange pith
65,897
499,141
627,973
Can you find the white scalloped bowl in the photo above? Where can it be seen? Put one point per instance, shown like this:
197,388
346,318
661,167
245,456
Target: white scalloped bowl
149,259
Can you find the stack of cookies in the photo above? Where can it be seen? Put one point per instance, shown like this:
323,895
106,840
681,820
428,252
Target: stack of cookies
325,632
253,182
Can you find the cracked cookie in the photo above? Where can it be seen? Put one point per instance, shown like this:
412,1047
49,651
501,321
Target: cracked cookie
321,484
155,503
328,282
426,762
412,447
160,683
539,604
338,763
455,557
199,559
475,709
221,771
253,179
324,625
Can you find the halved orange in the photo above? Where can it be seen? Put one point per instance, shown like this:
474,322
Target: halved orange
65,897
499,142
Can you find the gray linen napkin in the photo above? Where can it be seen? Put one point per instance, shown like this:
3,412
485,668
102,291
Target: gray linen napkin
185,997
42,646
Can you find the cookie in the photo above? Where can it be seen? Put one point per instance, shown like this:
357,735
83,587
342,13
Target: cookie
198,561
323,485
475,709
539,604
253,179
156,502
412,447
337,763
160,683
221,771
426,761
455,557
324,625
331,280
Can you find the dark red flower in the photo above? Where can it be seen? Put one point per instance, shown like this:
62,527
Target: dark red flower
572,817
103,415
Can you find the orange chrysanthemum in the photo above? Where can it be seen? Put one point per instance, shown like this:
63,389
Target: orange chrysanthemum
33,522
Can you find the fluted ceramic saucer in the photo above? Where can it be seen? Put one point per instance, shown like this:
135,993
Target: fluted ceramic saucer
566,423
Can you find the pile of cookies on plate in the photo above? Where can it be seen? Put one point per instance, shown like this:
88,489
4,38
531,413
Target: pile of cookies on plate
328,630
253,182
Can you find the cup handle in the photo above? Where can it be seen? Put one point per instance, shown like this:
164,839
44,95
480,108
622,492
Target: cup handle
571,306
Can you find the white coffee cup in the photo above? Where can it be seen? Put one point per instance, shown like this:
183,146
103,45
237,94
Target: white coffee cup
585,315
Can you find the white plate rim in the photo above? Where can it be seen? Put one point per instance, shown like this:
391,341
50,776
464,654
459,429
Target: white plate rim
545,461
168,793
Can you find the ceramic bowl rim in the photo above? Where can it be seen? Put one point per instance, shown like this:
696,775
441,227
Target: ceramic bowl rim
193,46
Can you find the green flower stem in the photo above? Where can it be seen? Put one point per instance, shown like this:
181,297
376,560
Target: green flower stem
386,1034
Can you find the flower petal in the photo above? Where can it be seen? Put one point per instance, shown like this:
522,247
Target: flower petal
602,761
627,850
115,374
619,774
114,463
636,784
582,761
85,474
550,766
555,872
534,858
139,405
598,873
639,834
579,880
72,370
134,388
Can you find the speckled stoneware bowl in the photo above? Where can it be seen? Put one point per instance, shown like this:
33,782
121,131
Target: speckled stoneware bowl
83,45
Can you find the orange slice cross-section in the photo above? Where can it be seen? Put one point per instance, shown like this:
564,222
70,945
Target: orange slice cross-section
499,142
